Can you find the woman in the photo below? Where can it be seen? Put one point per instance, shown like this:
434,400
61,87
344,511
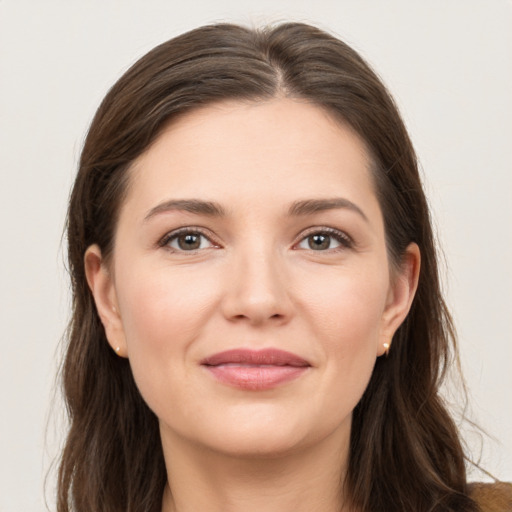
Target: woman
257,320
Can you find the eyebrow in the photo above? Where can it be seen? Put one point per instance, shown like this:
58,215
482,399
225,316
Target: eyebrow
212,209
196,206
311,206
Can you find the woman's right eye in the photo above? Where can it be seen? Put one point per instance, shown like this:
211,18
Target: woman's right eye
186,241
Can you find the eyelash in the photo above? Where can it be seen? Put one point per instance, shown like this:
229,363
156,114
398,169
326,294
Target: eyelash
189,230
342,238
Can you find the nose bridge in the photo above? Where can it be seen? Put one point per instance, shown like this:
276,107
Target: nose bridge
257,289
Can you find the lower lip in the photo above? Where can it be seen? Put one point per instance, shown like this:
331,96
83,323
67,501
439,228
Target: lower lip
255,378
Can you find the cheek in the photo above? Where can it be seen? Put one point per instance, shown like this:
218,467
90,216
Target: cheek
346,309
347,320
163,314
161,307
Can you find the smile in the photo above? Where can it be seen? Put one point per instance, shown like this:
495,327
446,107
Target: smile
255,370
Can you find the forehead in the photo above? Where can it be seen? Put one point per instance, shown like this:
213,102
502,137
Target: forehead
254,152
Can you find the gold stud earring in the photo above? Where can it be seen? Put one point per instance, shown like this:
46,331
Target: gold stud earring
117,350
387,346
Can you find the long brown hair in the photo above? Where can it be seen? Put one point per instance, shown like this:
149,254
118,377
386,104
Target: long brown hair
405,452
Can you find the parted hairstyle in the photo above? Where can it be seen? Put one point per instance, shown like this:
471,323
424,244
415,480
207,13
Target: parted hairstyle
405,451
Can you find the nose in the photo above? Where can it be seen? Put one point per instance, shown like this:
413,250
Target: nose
258,289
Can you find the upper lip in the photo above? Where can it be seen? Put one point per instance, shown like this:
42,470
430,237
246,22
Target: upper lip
268,356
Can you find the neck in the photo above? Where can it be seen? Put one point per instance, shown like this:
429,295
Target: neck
308,480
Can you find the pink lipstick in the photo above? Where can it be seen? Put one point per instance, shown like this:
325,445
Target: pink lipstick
255,370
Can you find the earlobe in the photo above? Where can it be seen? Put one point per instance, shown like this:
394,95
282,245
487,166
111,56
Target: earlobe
401,294
103,290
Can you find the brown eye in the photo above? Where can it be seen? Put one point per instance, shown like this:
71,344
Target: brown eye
319,242
188,241
326,239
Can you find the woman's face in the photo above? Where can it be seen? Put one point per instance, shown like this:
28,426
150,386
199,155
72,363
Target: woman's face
250,286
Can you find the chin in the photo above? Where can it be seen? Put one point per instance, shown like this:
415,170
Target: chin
256,445
262,431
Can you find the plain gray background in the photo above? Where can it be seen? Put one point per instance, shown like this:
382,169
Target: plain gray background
448,64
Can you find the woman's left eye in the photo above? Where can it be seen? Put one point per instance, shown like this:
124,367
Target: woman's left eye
325,240
187,241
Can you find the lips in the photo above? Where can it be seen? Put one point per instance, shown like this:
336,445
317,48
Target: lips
255,370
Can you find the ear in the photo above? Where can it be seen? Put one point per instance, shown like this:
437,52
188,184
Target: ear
103,290
404,283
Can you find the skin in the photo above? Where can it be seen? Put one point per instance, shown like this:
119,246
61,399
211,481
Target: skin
254,282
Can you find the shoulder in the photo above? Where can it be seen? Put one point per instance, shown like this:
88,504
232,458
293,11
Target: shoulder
494,497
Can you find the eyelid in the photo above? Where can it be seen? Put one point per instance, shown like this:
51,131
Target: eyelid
343,238
164,241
